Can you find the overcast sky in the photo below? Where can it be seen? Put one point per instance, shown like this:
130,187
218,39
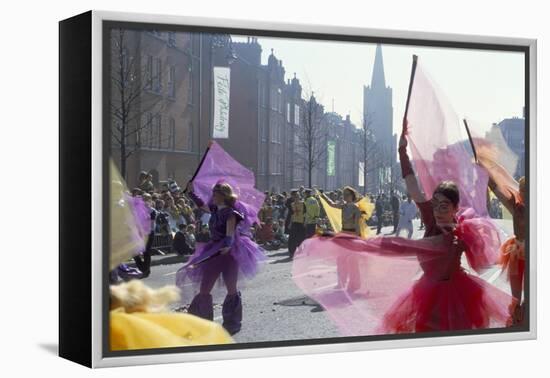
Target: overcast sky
486,86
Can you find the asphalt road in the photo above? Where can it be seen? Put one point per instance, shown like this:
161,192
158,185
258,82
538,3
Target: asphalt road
273,307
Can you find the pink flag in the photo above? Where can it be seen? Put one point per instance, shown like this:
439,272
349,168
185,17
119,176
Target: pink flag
440,146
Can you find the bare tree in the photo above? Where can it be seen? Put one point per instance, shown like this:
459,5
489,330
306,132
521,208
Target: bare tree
135,88
368,149
312,136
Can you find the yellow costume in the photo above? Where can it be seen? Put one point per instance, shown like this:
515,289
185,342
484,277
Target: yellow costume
142,330
334,215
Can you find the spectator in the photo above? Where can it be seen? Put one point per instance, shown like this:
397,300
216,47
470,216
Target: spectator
190,236
379,210
146,182
179,244
407,212
395,204
204,234
297,229
312,213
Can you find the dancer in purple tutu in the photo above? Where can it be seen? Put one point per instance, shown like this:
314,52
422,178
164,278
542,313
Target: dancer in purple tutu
224,188
230,253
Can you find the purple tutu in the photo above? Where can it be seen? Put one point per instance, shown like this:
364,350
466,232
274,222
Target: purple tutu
244,251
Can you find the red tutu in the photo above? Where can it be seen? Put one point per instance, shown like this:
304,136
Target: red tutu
462,302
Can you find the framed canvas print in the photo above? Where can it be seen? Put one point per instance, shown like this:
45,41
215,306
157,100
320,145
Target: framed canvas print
236,188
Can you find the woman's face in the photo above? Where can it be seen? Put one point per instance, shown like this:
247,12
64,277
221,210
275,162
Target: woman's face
443,208
348,197
218,199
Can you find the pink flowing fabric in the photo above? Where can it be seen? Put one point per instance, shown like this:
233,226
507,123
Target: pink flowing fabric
399,285
439,145
395,285
217,166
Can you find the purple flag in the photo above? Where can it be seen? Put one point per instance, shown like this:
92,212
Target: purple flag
218,166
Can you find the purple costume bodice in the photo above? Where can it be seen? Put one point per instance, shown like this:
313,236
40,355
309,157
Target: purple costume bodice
218,220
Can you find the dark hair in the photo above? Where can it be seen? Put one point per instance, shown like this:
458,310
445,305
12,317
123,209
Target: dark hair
449,190
351,191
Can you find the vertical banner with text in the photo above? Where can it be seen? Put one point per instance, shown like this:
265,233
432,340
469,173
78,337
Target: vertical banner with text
331,155
221,102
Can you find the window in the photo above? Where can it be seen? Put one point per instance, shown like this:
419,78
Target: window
157,85
279,100
261,95
149,130
288,112
273,99
189,137
190,84
124,62
157,132
263,129
296,115
273,129
172,134
149,73
171,39
172,82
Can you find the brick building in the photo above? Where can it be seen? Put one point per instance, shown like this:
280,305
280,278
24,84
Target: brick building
165,95
169,79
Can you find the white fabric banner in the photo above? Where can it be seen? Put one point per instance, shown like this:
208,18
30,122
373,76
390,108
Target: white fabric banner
221,102
361,173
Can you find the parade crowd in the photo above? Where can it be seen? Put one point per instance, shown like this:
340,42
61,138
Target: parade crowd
285,219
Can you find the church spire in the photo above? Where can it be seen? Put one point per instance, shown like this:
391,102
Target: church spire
378,77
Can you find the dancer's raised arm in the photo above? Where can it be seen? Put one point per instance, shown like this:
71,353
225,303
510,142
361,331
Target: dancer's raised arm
408,174
329,201
199,202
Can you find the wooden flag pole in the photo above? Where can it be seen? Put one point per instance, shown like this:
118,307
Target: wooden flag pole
200,164
413,73
471,140
202,261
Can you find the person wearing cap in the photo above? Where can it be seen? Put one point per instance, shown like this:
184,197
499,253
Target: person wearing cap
313,211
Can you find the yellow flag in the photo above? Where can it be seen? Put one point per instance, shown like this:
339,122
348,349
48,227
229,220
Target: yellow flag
334,215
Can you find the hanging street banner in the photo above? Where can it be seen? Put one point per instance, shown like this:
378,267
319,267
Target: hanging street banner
361,173
331,156
221,102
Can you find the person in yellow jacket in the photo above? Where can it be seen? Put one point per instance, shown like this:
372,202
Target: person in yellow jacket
297,231
313,211
139,319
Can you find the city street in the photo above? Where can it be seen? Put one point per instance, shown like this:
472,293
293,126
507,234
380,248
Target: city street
273,307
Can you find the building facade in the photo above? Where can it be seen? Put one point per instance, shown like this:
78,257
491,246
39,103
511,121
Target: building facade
513,132
162,99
